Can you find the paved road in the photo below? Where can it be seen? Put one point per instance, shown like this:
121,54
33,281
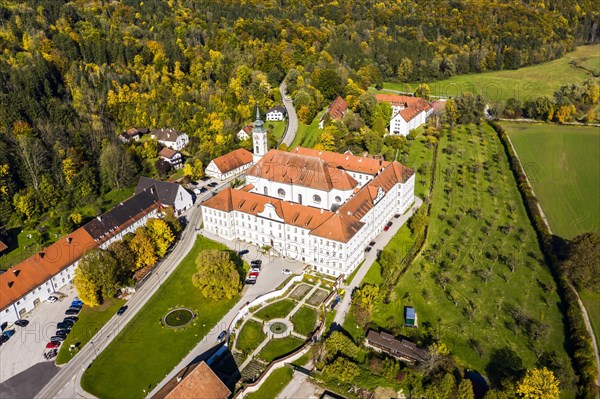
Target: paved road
381,241
268,280
66,384
292,126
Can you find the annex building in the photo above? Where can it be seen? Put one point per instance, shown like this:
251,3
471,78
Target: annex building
316,207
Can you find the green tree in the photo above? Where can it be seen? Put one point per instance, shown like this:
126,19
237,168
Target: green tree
388,259
97,276
217,276
465,390
122,253
422,91
328,82
117,168
405,69
450,113
342,370
338,343
581,264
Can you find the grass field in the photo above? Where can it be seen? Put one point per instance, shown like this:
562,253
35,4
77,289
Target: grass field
563,165
276,310
308,135
481,268
250,336
278,128
279,347
591,301
304,320
524,83
420,158
271,387
144,351
90,321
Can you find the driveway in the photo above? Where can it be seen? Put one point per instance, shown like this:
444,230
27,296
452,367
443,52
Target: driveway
292,122
26,347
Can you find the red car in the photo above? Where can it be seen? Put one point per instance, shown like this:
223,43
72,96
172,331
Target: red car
387,226
255,274
53,345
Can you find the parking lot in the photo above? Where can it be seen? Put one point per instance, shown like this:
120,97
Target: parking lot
26,347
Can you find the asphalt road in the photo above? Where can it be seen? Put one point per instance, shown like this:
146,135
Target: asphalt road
66,384
292,126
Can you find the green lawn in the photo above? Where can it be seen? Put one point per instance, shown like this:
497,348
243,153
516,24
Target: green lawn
276,310
278,347
250,336
591,301
91,320
461,285
563,165
524,83
278,128
308,135
144,351
274,384
420,158
304,320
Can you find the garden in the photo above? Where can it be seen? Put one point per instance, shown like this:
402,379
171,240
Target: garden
146,350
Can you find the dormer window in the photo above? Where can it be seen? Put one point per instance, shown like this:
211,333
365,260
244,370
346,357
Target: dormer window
316,199
281,192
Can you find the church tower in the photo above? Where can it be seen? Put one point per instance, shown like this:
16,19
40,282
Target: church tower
259,138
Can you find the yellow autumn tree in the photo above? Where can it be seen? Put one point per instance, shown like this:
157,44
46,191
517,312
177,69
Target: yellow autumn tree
327,139
538,384
161,235
70,169
194,169
143,248
86,288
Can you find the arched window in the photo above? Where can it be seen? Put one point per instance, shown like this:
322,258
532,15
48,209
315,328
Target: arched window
256,150
338,199
316,199
300,199
266,190
281,192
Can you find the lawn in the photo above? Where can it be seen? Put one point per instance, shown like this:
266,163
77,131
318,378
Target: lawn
462,285
308,135
91,320
276,310
524,83
591,301
304,320
420,158
144,351
563,165
250,336
278,128
278,347
274,384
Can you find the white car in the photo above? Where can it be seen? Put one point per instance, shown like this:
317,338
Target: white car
255,269
52,299
286,271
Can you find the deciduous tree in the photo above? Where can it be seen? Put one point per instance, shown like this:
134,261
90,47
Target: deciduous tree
217,276
538,384
161,235
143,248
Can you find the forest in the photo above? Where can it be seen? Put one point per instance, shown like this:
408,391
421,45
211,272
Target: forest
73,75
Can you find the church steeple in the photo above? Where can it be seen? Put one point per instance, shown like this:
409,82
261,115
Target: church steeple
259,137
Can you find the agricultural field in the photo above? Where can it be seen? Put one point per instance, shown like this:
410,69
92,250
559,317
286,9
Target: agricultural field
145,351
563,166
524,83
467,284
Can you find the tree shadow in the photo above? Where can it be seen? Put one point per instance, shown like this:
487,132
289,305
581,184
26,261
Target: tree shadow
504,365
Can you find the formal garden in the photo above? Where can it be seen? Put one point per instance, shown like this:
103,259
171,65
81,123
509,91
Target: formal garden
279,326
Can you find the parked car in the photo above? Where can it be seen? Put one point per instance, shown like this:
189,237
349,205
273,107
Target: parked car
76,305
8,333
367,249
256,262
251,280
213,184
286,271
396,216
68,322
387,227
72,311
62,333
52,299
243,252
22,323
222,335
53,345
122,310
77,302
203,190
57,338
255,270
253,274
71,318
205,178
64,326
3,339
372,243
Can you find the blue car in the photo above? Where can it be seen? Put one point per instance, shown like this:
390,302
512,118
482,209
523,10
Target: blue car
243,252
8,333
77,303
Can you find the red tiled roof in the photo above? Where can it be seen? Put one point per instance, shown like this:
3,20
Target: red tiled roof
338,108
167,153
3,246
346,161
301,170
200,383
413,105
37,269
233,160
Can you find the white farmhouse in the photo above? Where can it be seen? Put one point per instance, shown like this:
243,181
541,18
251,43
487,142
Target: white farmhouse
277,113
245,132
171,138
169,194
408,112
317,207
173,157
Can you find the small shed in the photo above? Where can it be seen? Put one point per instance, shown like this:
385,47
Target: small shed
410,316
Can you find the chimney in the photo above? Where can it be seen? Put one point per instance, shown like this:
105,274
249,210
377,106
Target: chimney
359,160
69,240
99,218
321,211
16,272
